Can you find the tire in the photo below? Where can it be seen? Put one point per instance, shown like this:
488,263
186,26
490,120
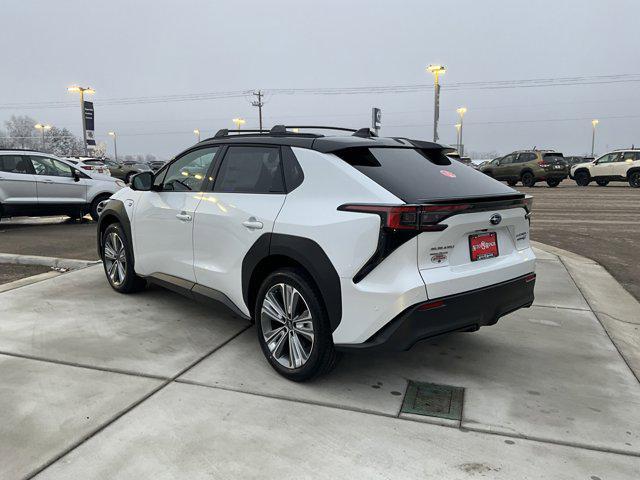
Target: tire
582,178
634,179
512,183
279,335
602,183
528,180
93,209
117,251
553,182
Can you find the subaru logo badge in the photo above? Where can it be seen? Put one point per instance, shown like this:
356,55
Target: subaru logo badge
495,219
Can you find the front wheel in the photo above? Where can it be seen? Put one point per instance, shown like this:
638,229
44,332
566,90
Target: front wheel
602,183
97,206
553,182
117,258
293,326
528,180
582,178
634,179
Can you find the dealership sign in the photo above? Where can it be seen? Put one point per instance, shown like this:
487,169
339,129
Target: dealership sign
89,124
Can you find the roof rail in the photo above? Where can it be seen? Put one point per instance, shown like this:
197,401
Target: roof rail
365,133
224,132
318,127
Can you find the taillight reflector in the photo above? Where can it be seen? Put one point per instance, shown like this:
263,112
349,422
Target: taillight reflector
410,217
530,278
430,305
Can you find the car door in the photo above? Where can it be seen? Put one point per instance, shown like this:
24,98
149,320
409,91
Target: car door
248,193
604,165
18,193
623,162
56,184
504,170
163,218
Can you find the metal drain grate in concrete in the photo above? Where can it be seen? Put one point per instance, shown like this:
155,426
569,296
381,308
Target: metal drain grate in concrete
433,400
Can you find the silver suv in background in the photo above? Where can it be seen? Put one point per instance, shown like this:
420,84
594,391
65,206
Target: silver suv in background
38,184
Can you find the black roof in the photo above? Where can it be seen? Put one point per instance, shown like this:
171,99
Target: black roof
281,135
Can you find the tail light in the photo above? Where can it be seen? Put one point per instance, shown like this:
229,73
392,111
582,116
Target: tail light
542,163
86,167
425,218
528,203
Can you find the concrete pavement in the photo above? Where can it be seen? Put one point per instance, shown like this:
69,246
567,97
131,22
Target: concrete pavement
174,389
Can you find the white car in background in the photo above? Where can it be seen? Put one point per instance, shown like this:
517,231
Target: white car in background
619,165
91,164
38,184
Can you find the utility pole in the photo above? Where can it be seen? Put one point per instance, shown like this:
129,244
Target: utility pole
593,135
437,70
259,103
42,129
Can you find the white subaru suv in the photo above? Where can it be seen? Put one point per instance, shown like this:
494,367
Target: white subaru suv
327,243
619,165
37,184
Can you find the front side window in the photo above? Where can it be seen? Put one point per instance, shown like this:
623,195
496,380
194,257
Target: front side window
608,158
187,174
14,164
251,170
507,160
50,167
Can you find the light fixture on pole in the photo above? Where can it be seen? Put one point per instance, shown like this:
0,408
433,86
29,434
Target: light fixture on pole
82,91
437,70
197,134
458,127
115,145
461,111
42,129
239,122
593,135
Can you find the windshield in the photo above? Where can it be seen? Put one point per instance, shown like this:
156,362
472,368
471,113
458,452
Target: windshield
417,176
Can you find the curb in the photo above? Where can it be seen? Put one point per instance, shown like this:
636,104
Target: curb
616,309
23,282
52,262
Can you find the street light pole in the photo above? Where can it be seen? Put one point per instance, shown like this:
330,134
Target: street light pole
81,90
42,129
437,70
458,127
115,145
197,133
593,135
461,111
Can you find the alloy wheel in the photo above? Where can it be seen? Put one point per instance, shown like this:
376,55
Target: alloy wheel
634,180
287,326
100,206
115,259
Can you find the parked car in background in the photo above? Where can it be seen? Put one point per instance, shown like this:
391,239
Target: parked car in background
89,163
39,184
619,165
575,159
327,242
528,167
124,171
156,165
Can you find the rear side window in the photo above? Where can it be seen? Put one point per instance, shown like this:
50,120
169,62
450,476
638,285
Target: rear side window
251,170
526,157
14,164
418,176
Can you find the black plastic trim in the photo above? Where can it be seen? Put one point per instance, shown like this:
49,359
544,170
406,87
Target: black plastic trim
466,311
115,208
307,253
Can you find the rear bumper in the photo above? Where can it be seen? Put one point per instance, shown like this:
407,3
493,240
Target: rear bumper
466,311
551,175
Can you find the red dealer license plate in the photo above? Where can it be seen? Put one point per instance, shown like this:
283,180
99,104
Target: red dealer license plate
483,246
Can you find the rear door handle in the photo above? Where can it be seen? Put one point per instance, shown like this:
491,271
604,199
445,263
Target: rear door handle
253,224
184,217
47,180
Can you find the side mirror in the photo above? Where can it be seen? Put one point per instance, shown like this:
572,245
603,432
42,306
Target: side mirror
142,181
76,175
498,163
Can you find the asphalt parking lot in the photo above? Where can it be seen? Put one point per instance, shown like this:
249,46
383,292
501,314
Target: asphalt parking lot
601,223
154,385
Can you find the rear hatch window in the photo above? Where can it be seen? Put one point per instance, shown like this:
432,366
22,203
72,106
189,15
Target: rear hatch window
554,158
419,176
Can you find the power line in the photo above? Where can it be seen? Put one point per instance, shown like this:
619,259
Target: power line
384,89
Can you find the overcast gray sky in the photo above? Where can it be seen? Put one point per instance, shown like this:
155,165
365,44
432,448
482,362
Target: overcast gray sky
161,48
